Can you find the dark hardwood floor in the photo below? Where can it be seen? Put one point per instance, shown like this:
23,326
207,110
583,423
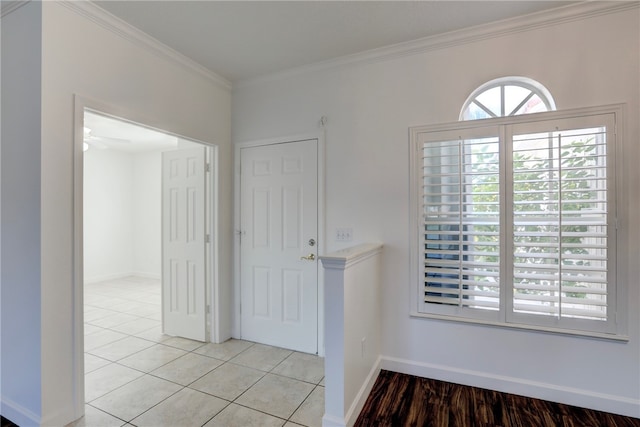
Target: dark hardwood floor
6,423
404,400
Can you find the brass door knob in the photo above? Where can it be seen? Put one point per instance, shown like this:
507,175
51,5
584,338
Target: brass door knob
309,257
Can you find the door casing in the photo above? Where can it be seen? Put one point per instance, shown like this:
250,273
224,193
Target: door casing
236,329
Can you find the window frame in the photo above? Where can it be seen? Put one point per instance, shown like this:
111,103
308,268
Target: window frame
533,86
616,328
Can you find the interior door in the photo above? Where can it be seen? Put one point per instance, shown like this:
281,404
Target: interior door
278,257
183,243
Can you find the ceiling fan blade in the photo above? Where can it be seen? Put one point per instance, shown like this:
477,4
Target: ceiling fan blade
89,136
110,140
97,144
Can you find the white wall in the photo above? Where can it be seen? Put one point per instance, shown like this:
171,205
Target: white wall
147,205
79,56
371,104
20,280
122,214
108,211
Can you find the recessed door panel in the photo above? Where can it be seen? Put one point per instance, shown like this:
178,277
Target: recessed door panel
292,217
261,212
292,296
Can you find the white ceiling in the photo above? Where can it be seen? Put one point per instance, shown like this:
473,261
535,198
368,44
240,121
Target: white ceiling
241,40
102,133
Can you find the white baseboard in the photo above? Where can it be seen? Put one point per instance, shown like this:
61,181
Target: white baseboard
18,414
146,275
331,421
352,413
567,395
98,279
361,398
26,418
106,277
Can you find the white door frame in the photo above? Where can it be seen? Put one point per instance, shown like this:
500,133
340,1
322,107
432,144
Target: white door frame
212,226
319,136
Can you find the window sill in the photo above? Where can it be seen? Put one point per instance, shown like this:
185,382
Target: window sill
557,331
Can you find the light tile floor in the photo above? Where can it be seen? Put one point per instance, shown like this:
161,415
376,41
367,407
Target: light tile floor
136,376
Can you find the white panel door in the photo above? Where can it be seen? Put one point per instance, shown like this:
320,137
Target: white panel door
183,243
279,226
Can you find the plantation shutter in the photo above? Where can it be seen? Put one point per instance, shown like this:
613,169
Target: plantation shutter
517,222
461,223
561,222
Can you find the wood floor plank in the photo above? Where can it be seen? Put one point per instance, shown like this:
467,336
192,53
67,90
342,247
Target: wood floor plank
6,423
399,400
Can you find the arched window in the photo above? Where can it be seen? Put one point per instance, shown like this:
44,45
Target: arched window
507,96
516,217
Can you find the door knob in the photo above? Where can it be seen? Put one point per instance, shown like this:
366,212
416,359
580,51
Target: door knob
309,257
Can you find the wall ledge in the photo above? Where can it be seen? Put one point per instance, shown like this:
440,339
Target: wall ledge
345,258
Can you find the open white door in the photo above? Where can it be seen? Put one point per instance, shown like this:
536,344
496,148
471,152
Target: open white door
183,243
278,256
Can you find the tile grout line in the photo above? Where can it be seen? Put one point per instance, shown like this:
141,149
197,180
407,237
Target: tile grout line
155,343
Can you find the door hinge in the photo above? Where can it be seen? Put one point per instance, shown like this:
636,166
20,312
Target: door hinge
208,167
207,238
208,309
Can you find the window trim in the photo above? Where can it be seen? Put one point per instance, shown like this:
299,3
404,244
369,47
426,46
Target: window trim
619,311
535,87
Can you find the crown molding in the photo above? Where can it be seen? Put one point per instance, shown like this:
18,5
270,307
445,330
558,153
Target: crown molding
101,17
547,18
11,6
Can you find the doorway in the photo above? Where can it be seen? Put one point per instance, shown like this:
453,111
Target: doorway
279,238
124,162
